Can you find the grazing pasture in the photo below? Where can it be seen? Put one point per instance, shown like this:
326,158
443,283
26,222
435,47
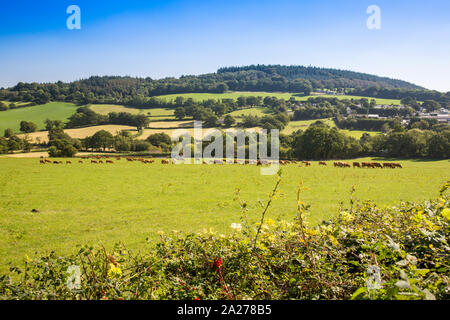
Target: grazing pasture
129,201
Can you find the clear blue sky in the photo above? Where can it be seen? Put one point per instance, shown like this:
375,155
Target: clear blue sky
176,37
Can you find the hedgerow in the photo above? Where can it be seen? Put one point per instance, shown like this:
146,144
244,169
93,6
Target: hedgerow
364,252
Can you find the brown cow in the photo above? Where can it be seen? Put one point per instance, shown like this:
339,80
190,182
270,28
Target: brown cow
42,161
93,161
109,161
68,162
322,163
164,161
48,161
80,161
356,165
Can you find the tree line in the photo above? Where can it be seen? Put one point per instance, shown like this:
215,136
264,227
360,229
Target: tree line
298,79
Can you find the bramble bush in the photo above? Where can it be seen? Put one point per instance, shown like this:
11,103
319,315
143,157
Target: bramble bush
365,252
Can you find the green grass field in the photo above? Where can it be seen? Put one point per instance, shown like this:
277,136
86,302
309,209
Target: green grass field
37,114
279,95
128,202
259,112
304,124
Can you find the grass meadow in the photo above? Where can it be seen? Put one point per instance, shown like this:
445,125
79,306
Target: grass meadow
279,95
129,202
37,114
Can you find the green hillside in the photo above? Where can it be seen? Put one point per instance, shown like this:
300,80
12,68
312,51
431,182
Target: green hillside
37,114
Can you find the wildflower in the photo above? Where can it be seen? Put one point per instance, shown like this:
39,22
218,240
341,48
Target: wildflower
218,263
114,271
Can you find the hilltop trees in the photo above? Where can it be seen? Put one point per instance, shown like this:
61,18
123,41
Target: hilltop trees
272,78
84,116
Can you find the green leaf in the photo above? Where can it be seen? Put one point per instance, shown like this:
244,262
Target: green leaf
358,292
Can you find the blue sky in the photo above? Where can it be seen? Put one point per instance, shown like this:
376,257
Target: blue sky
175,37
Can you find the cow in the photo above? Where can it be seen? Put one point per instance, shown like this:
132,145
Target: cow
377,165
307,163
322,163
42,162
164,161
109,161
48,161
68,162
356,165
80,161
397,165
94,161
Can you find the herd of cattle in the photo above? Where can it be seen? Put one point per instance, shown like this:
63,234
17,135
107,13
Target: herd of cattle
96,159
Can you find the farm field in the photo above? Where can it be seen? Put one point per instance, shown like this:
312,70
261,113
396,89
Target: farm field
129,202
80,133
37,114
104,109
156,114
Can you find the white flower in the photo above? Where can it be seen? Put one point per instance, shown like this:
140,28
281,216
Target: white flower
236,227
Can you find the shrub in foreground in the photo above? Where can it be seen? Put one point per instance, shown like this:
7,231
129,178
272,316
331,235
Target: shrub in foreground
365,252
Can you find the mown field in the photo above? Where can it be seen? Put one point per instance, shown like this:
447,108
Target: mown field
37,114
129,202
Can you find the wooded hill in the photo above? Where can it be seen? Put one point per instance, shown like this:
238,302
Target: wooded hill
268,78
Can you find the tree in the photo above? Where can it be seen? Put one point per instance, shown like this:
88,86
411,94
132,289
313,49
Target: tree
160,139
3,106
102,139
439,145
221,88
52,124
141,121
27,127
229,121
8,133
180,113
431,105
14,143
211,121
